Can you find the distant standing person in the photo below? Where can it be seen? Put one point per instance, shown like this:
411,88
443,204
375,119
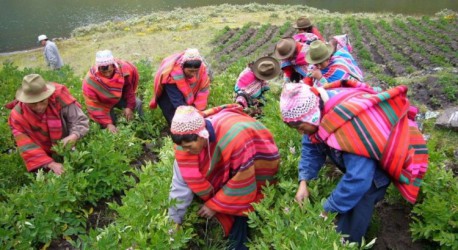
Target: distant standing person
42,114
111,83
182,79
51,53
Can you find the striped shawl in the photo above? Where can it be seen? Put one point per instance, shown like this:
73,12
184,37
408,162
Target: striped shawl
342,66
379,126
195,90
229,173
101,93
299,64
36,134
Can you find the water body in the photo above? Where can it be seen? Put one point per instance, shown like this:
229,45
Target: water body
21,21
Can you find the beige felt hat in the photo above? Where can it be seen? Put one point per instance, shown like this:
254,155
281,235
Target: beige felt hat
318,52
266,68
285,48
34,89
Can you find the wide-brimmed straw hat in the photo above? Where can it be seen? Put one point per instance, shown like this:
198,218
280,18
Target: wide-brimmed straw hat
302,23
34,89
318,52
266,68
285,48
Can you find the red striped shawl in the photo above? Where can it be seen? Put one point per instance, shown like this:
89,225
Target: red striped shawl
101,93
36,134
230,173
379,126
195,90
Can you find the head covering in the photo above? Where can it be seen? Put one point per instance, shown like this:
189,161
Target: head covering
104,58
302,23
299,103
285,48
34,89
41,38
191,54
319,52
187,120
266,68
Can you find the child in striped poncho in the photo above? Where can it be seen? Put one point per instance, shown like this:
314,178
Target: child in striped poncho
225,159
370,136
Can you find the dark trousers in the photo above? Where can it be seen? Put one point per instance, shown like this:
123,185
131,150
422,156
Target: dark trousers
167,108
123,104
356,221
239,233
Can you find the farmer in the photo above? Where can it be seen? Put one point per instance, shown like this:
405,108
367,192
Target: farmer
111,83
252,83
369,136
225,157
305,28
42,114
51,53
182,79
293,59
330,64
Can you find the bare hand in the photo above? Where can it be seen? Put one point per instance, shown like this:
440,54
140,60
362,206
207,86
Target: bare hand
302,192
112,128
70,140
206,212
316,73
56,167
129,114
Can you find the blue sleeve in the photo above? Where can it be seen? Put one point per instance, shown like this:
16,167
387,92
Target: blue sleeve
174,94
353,185
312,159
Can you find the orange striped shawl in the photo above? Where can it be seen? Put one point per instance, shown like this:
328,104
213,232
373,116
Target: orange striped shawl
195,90
229,174
378,126
35,134
101,94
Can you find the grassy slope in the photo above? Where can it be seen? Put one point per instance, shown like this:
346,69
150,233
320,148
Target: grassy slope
156,36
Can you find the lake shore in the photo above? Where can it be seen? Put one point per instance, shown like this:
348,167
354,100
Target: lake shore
152,37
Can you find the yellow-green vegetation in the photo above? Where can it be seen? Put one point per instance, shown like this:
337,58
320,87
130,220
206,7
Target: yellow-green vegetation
39,209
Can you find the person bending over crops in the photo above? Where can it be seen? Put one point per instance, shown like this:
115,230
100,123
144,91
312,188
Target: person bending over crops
252,83
111,83
225,157
182,79
42,114
370,136
292,55
305,28
330,64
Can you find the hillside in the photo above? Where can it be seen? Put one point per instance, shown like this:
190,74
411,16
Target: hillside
72,211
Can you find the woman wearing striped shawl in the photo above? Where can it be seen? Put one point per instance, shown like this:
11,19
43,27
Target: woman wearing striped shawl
111,83
182,79
225,159
368,135
42,114
331,63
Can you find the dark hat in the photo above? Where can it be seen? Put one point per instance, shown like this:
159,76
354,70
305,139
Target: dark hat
34,89
285,48
302,23
266,68
318,52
